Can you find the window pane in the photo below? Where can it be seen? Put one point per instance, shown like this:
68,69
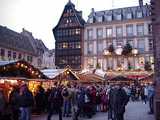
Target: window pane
14,55
90,48
100,46
2,52
140,30
119,31
129,29
90,34
139,14
141,45
99,19
129,16
100,33
119,17
109,32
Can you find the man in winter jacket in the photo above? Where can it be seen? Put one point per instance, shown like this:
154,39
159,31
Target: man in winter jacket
26,102
120,100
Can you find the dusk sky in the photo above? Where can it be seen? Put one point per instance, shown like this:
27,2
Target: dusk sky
40,16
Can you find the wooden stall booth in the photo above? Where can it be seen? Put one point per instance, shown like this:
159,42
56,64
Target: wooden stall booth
14,73
61,76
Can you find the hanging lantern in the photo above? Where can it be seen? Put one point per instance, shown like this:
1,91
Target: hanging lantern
22,65
32,72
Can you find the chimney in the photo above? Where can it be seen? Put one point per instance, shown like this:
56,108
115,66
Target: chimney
141,3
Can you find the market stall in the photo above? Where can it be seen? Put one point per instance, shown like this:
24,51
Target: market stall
61,76
14,73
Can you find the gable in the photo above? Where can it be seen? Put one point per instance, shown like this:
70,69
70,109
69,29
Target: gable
70,17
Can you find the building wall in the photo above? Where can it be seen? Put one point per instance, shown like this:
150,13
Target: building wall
48,60
5,56
94,55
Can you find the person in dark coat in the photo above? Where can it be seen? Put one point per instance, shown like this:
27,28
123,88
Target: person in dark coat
56,102
110,103
14,103
120,100
40,100
26,102
80,102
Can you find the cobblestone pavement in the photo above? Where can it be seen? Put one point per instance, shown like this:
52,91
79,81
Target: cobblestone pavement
134,111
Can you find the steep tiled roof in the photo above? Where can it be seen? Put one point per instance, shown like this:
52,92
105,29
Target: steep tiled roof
145,9
13,40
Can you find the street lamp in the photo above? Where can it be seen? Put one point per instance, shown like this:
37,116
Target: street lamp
119,50
135,51
106,52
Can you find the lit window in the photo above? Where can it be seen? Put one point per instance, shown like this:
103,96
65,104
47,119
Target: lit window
109,32
78,31
65,45
78,45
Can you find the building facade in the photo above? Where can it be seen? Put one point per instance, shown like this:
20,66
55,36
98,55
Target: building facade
19,46
155,5
108,32
49,59
69,37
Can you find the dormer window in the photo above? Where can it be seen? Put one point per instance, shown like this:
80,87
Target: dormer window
139,14
109,18
129,16
99,19
119,17
90,20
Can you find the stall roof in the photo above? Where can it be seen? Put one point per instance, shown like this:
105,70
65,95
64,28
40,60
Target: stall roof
20,68
53,73
2,63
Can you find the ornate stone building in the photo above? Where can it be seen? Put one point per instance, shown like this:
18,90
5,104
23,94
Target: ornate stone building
69,37
20,46
107,33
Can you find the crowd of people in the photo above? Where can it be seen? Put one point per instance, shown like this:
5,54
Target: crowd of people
73,100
